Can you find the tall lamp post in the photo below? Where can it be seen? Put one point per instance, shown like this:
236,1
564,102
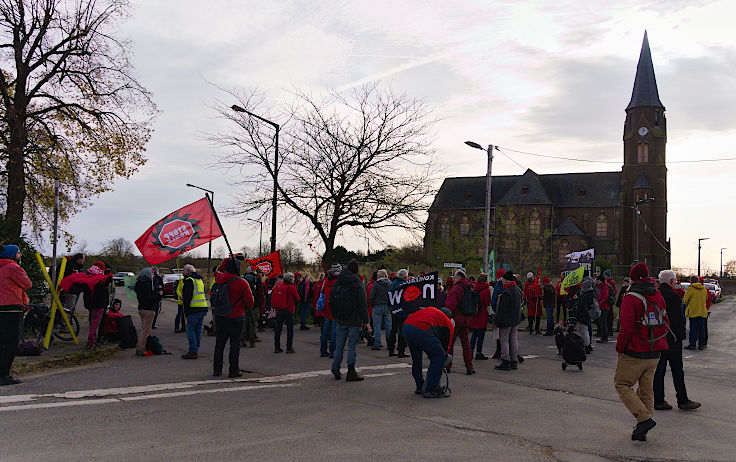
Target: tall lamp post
487,227
637,213
699,241
237,108
722,249
260,239
209,250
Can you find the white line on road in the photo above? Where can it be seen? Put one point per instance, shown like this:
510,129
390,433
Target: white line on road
61,404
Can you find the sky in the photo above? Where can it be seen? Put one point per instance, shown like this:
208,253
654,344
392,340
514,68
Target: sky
544,77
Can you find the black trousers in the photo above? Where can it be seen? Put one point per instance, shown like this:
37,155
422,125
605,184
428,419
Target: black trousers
10,325
281,318
561,307
603,324
674,357
534,323
397,325
228,329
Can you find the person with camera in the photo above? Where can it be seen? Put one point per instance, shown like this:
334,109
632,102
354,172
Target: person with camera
14,283
429,330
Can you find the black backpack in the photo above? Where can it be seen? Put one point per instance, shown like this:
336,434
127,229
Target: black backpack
611,300
220,299
128,334
154,345
341,302
254,282
470,303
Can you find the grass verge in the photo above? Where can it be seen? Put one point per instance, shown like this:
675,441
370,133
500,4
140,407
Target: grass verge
70,360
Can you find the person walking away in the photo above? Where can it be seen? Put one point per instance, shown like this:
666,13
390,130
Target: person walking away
304,288
479,324
328,322
612,298
147,302
195,308
462,322
548,300
284,299
583,304
252,314
350,308
397,320
381,309
507,319
230,327
604,294
696,301
533,298
639,348
14,283
158,282
622,292
673,354
429,330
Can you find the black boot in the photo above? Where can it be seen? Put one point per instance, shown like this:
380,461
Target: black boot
497,354
504,366
514,365
352,375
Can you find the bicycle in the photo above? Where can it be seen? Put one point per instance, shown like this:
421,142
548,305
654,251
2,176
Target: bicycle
36,320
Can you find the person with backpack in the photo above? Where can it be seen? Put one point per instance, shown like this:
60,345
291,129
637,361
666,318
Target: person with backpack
229,326
305,294
284,299
147,301
506,320
606,297
14,283
429,330
641,341
349,306
378,298
460,303
479,324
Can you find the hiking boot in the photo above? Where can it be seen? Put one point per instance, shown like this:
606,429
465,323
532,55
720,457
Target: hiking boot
8,380
663,406
688,405
641,429
337,375
352,375
438,393
514,365
290,351
504,366
481,357
190,355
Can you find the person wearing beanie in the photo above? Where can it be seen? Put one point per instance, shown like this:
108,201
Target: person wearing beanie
507,319
462,321
639,350
14,283
284,299
548,300
229,327
480,322
328,324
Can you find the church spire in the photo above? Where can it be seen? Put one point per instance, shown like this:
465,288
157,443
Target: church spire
645,92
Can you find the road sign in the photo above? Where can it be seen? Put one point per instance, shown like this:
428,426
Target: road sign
453,265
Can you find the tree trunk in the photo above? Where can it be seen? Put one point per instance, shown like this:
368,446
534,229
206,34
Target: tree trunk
16,176
328,255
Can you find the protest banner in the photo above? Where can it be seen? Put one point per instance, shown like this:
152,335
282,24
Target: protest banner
413,295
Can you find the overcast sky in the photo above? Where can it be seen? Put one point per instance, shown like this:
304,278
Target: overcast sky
544,77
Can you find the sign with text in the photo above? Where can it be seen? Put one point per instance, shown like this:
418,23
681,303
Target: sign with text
453,265
414,295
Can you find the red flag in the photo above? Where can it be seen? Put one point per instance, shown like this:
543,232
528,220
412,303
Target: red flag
185,229
269,264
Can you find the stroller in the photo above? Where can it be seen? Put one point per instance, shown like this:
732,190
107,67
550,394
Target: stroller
571,345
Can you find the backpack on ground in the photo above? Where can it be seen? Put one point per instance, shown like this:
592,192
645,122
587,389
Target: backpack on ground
28,349
154,345
128,334
470,303
220,299
341,301
654,323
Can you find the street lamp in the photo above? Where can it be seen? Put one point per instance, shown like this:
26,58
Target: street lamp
260,239
209,250
637,212
237,108
722,249
699,240
487,229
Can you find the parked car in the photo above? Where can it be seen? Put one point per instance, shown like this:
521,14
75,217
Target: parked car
170,283
715,291
119,278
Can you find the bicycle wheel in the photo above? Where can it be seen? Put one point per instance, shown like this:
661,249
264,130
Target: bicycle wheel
33,329
61,331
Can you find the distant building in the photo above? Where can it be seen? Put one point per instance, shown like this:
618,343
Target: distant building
540,218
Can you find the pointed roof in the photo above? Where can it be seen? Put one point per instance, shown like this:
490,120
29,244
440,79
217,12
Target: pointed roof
645,92
527,190
568,228
642,182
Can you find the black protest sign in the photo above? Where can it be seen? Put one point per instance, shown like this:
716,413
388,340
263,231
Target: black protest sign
414,294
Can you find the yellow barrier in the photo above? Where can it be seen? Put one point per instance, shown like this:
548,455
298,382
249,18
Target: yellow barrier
56,304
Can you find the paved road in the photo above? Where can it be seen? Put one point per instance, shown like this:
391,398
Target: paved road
290,408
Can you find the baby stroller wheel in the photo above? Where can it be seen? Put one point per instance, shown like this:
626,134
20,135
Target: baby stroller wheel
580,366
564,366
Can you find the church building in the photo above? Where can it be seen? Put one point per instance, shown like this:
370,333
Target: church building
537,219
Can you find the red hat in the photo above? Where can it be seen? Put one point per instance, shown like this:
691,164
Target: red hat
546,281
500,273
639,271
393,275
422,273
297,274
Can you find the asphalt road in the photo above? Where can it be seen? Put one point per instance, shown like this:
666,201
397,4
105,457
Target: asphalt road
289,407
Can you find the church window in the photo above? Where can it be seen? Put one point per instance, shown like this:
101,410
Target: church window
445,229
510,222
646,152
601,225
465,225
656,118
564,248
640,153
535,223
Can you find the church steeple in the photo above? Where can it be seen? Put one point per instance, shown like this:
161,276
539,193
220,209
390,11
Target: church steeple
645,92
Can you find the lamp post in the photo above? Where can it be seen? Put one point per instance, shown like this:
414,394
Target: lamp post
237,108
209,249
637,213
487,227
722,249
700,240
260,239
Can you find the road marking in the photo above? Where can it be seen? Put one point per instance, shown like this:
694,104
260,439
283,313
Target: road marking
529,356
688,357
383,374
60,404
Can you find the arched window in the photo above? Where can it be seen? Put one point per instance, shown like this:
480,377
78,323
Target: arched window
646,152
464,225
601,225
510,222
445,229
535,223
564,249
640,153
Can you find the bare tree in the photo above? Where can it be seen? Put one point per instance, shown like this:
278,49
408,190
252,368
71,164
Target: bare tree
70,107
292,256
356,161
120,248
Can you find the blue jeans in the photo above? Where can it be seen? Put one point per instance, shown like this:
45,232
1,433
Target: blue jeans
194,330
328,330
476,339
303,310
420,342
180,322
381,315
550,310
697,331
350,334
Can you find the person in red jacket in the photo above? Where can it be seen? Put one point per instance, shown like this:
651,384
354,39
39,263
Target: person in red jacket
462,322
328,322
429,330
316,291
606,310
284,299
533,298
639,349
480,322
230,327
14,283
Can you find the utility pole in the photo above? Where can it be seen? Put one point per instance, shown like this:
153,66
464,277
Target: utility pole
699,240
722,249
487,225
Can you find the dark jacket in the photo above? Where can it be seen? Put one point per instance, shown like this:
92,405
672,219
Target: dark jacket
584,303
359,303
674,313
379,292
187,292
548,295
508,309
99,298
147,297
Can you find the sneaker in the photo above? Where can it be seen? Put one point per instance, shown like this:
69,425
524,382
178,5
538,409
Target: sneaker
235,375
190,355
481,357
504,366
8,380
688,405
402,355
278,350
689,347
303,328
290,351
439,393
641,429
663,406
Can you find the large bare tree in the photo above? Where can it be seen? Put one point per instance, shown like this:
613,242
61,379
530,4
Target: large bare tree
70,107
357,160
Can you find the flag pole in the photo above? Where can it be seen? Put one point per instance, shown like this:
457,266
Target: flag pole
217,219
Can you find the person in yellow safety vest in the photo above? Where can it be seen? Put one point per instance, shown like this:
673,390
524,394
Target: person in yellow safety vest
195,307
180,322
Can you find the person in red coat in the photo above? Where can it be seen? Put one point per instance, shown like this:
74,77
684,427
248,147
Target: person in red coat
429,330
284,299
480,322
328,322
533,298
462,322
639,350
230,327
14,283
316,291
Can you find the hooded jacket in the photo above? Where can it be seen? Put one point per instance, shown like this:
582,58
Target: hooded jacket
508,307
630,341
674,313
148,298
379,292
14,283
285,297
359,313
696,299
239,292
454,298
